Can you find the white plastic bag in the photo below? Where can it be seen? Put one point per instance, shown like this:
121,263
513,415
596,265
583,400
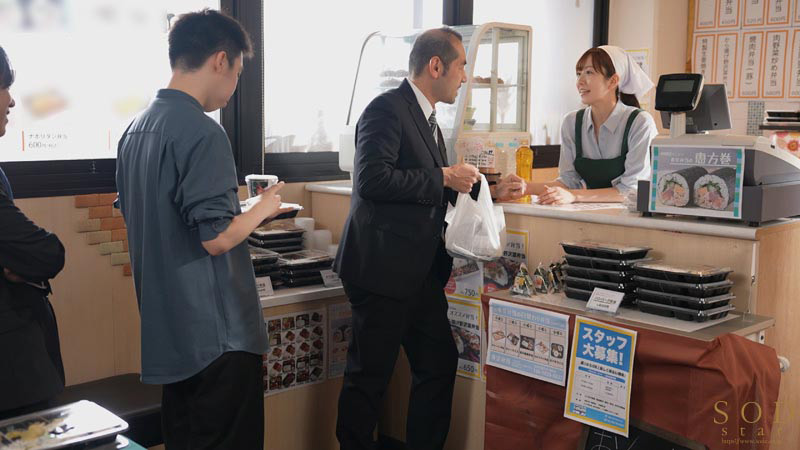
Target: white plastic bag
476,229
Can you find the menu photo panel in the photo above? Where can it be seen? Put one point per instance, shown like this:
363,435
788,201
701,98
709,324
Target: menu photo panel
754,13
794,67
779,12
774,63
728,14
705,14
703,59
725,67
750,68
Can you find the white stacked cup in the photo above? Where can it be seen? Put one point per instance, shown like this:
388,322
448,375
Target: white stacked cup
307,224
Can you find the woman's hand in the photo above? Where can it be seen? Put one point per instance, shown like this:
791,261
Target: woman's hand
556,196
511,187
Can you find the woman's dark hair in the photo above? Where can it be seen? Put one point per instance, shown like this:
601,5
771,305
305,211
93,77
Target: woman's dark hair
6,72
603,64
196,36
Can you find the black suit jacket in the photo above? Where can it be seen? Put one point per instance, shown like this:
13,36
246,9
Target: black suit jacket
392,238
31,370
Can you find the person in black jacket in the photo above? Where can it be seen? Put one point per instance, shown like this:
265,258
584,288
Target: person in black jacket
392,258
31,372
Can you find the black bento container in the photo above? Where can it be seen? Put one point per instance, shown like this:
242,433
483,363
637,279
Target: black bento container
687,314
260,256
589,285
599,275
605,250
619,265
681,273
582,294
690,289
683,301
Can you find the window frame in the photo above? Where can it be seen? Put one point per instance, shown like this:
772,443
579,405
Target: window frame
88,176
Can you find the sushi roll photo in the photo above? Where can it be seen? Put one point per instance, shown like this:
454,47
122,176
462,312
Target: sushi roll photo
715,190
676,188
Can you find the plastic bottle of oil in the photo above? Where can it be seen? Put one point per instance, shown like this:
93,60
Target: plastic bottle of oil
525,168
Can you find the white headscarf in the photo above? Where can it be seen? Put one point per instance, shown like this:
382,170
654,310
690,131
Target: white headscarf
632,79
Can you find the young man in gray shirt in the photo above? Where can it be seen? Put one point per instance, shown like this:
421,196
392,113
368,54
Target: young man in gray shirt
202,327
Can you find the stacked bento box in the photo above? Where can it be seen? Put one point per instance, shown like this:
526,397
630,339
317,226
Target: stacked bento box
688,292
593,265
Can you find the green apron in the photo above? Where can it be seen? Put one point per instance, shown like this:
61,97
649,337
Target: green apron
598,173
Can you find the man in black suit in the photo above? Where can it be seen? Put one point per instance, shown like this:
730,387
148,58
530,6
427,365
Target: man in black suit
31,372
392,258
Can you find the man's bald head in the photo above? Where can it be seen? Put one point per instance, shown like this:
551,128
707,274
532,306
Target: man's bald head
435,42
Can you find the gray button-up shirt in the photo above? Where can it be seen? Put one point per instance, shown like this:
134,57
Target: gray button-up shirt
608,145
177,187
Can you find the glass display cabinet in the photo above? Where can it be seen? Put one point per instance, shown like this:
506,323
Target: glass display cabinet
491,116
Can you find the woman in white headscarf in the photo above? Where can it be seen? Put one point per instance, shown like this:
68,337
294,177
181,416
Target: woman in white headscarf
605,146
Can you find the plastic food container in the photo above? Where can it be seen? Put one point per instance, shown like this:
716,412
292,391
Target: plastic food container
599,275
260,256
691,315
582,294
690,289
603,264
306,259
605,250
589,285
681,273
83,424
256,184
683,301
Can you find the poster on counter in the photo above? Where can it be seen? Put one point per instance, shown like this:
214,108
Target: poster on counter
728,15
466,280
297,351
528,341
774,63
703,60
697,181
600,373
465,322
750,70
340,334
727,51
499,274
794,72
705,14
778,12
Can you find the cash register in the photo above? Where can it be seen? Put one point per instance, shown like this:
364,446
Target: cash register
763,185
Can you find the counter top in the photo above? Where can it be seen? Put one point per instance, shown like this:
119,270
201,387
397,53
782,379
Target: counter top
302,294
619,217
742,325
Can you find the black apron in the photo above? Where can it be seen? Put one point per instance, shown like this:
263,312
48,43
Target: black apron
598,173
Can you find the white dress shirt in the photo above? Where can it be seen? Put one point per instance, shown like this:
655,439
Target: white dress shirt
608,145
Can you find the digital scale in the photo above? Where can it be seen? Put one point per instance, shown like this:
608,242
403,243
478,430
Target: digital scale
769,177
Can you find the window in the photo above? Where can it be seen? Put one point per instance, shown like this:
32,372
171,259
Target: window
84,69
310,60
562,31
81,78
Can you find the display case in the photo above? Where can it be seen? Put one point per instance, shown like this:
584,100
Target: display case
490,118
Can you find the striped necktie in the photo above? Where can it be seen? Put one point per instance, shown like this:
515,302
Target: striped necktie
5,185
434,126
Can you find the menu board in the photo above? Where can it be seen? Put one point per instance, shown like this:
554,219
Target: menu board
750,46
296,357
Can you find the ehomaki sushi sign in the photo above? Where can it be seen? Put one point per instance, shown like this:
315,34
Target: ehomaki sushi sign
697,181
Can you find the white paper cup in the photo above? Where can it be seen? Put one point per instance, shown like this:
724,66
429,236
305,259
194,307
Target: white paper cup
322,239
256,184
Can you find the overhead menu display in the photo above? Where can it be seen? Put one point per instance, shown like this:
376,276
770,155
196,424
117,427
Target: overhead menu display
750,46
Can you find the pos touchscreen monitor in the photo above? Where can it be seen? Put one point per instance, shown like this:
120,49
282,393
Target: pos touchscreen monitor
711,113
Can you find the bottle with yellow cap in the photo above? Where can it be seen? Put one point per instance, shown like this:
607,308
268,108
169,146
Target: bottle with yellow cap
525,168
